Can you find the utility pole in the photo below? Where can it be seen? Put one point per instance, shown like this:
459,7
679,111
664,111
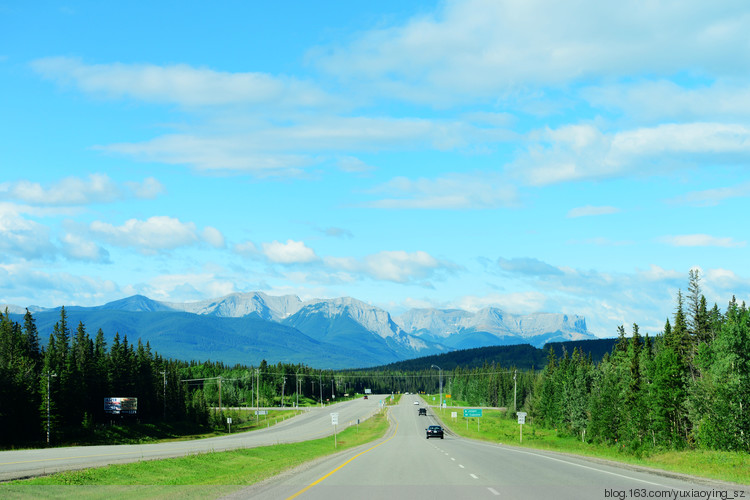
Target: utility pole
296,388
49,381
283,385
440,403
219,393
515,391
257,394
320,383
164,373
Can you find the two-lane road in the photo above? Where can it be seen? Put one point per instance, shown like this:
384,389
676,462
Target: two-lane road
312,424
406,465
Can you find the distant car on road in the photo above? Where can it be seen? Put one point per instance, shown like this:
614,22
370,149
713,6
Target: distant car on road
423,411
416,402
434,431
365,396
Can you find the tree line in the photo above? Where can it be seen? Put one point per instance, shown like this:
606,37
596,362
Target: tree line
688,387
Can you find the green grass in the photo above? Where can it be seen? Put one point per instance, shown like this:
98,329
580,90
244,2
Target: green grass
199,476
494,426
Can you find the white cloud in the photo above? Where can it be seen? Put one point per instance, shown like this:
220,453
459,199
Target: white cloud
76,248
701,240
246,248
397,266
184,287
291,252
71,191
482,48
23,238
712,197
180,84
271,149
48,289
583,152
516,303
153,234
213,237
457,191
664,99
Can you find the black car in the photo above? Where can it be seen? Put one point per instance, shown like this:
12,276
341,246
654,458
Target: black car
423,411
434,431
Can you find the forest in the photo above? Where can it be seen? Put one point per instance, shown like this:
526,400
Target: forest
687,387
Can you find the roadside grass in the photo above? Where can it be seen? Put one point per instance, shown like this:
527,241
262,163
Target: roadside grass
496,427
191,476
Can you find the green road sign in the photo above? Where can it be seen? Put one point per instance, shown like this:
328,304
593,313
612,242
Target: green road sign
472,412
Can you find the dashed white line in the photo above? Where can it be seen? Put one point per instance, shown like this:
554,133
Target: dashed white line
472,475
453,459
461,466
493,491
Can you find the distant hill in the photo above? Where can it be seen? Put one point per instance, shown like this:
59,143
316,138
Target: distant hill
523,357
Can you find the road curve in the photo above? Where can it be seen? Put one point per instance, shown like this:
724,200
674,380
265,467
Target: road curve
406,465
312,424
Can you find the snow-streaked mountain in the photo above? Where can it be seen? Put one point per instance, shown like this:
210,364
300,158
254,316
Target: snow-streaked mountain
238,305
344,320
492,326
344,331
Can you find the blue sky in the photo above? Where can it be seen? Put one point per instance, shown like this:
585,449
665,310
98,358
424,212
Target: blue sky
576,157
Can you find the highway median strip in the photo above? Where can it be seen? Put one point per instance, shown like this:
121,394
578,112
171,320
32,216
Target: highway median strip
233,469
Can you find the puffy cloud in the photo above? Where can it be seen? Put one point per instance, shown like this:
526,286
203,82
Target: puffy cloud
97,188
22,237
76,248
291,252
213,237
397,266
583,152
155,233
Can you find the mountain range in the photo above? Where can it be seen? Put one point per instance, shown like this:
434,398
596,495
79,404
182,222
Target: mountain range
323,333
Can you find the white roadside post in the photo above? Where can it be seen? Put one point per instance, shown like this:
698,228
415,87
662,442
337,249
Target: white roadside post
334,422
229,423
521,421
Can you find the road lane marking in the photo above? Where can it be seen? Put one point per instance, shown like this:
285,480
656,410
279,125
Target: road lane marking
461,466
342,465
472,475
507,448
453,459
493,491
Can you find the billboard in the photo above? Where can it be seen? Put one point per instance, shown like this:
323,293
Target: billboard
121,406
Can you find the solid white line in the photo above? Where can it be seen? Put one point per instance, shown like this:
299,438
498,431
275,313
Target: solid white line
493,491
472,475
576,465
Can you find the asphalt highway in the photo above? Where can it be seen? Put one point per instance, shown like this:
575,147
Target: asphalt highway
312,424
405,465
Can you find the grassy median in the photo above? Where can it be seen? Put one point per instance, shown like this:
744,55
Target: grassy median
496,427
200,476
